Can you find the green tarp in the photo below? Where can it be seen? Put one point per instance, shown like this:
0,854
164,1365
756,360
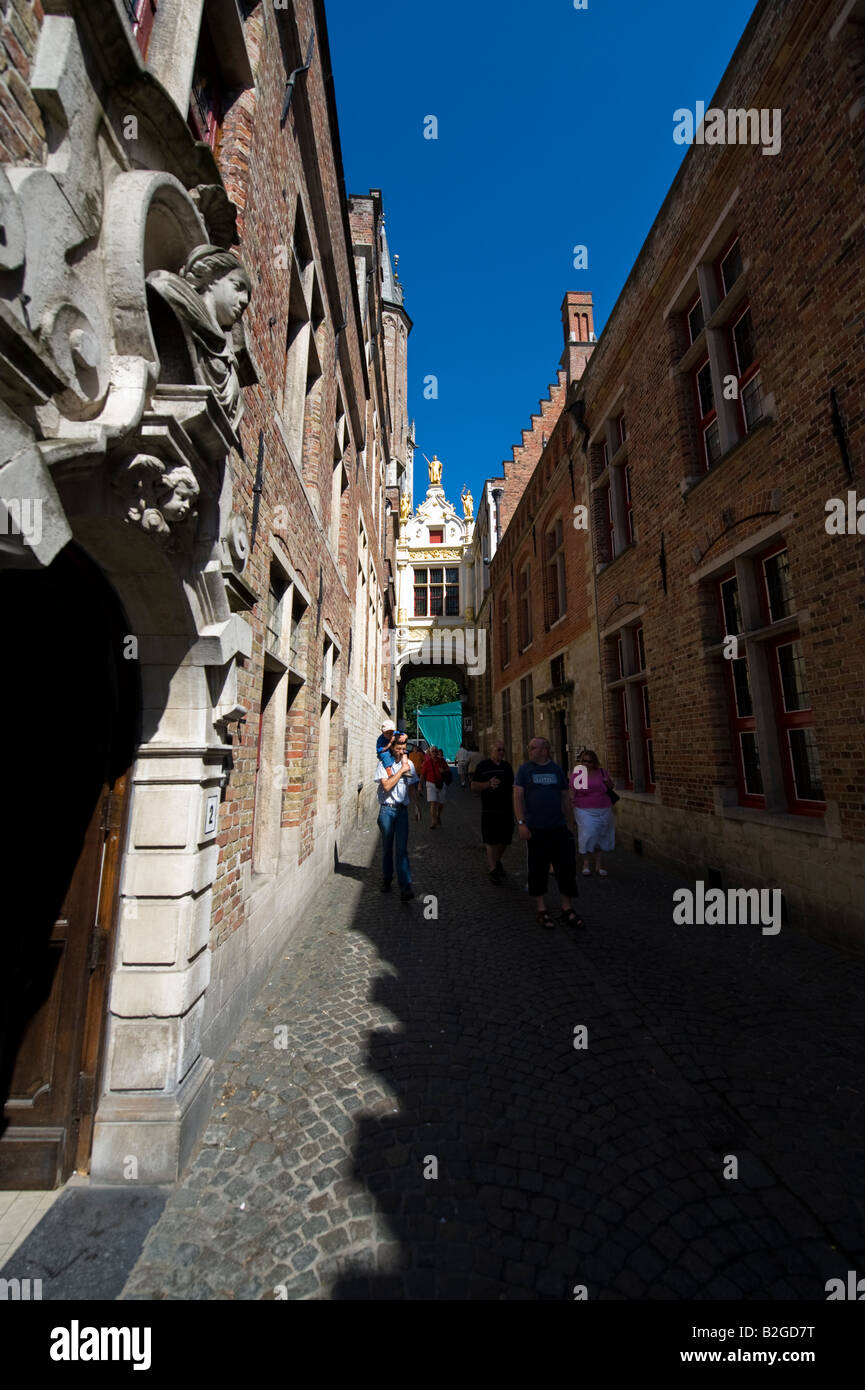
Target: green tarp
442,726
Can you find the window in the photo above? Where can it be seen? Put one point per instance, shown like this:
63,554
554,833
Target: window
275,594
207,102
707,416
436,535
505,631
557,671
629,520
730,267
524,607
429,592
695,319
774,745
747,371
526,710
620,430
556,592
452,592
507,731
141,14
608,529
625,663
646,735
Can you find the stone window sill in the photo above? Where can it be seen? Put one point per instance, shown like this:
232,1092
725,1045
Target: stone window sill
783,820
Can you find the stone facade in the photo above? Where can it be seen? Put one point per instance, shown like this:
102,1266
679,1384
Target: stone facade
723,411
195,389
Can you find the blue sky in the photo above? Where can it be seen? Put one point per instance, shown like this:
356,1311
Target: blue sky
554,129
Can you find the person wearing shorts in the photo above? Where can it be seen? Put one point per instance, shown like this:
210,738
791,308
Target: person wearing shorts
436,792
542,806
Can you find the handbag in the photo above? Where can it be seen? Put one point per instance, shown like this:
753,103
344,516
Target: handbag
447,776
613,795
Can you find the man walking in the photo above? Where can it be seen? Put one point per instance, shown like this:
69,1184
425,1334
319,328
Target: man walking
462,757
397,785
546,822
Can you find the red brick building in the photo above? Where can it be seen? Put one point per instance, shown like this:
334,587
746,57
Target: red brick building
202,403
540,606
723,410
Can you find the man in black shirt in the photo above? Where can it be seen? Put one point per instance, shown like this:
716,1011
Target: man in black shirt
494,779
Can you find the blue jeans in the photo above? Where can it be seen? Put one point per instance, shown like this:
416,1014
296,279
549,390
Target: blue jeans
393,824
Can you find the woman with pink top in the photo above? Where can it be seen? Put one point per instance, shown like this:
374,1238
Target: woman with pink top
593,810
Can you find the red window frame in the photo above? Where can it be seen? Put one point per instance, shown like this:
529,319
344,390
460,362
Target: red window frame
739,724
436,535
705,422
144,12
556,581
777,548
621,428
421,594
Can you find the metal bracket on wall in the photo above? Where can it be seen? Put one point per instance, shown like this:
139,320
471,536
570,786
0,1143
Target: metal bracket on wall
292,78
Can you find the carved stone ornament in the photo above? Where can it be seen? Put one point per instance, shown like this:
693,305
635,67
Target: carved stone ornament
218,212
237,541
208,297
157,499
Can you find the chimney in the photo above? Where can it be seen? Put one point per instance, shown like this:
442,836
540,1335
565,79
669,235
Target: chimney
579,331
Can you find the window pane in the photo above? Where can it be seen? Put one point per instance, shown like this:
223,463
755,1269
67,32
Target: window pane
435,576
791,666
752,401
436,537
806,764
420,576
647,718
705,391
452,576
712,441
778,587
753,777
436,601
742,688
619,661
650,760
732,606
695,321
743,337
452,602
420,603
731,267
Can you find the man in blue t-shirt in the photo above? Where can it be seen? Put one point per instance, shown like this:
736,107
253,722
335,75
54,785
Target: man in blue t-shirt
542,806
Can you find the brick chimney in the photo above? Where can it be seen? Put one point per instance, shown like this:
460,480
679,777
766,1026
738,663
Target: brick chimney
579,330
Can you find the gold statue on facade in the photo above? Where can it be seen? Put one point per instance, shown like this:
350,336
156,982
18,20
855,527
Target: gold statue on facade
404,507
435,470
468,503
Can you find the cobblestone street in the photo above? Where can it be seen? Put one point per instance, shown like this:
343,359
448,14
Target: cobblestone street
411,1039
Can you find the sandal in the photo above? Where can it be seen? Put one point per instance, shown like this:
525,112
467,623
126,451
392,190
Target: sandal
571,919
544,919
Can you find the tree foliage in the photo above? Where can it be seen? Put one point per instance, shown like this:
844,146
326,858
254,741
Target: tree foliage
426,690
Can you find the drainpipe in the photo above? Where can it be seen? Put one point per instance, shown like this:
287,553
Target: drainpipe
498,494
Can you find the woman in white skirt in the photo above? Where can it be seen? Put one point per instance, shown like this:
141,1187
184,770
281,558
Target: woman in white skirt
593,810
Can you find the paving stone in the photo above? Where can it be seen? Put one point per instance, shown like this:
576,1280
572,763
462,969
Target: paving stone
554,1169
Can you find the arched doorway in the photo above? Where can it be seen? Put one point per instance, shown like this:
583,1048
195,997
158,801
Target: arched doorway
70,709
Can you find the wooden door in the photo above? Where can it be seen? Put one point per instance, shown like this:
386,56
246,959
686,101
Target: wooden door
73,708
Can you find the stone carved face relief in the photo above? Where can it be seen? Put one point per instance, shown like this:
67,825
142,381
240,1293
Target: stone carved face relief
177,493
228,297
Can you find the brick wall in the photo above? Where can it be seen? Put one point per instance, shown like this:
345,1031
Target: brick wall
22,134
798,218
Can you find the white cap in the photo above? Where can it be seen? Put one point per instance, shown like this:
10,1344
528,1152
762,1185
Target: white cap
387,726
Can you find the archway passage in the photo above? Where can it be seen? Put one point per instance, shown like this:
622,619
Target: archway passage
69,709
